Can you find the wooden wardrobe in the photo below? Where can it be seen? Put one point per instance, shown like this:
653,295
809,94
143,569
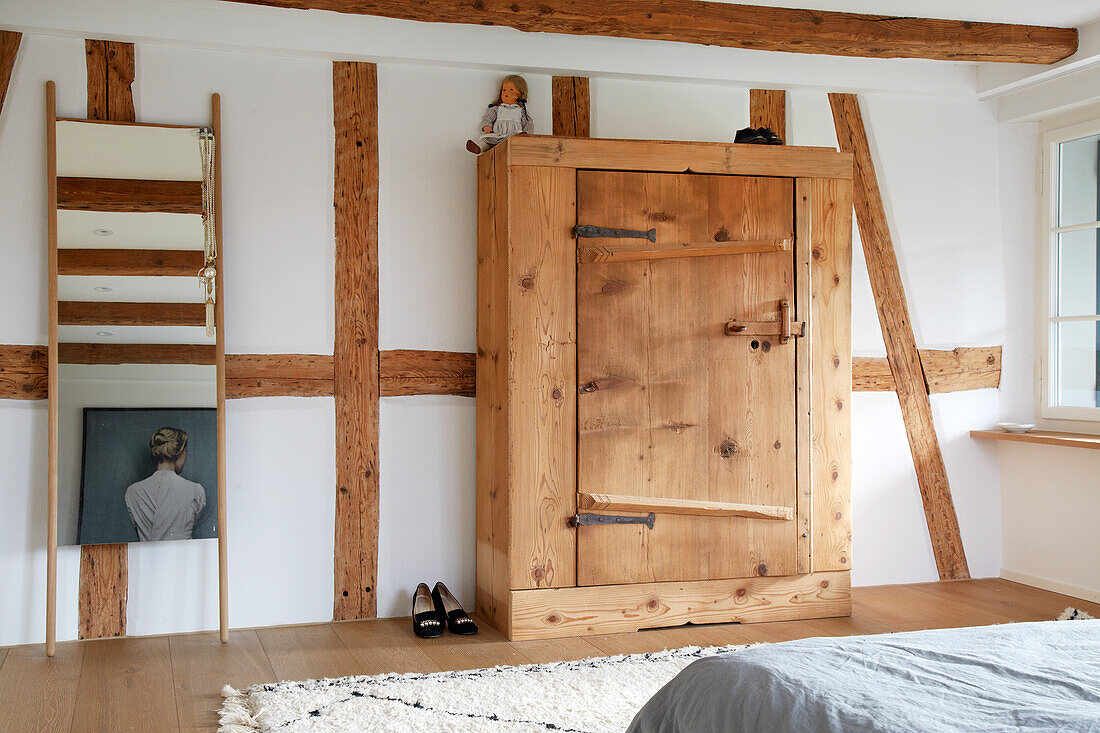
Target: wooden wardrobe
663,384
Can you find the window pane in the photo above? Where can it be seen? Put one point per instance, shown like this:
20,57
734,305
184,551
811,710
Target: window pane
1077,189
1078,363
1077,272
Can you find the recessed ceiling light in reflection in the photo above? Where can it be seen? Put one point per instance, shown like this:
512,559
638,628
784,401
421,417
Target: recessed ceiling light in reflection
102,232
104,333
103,289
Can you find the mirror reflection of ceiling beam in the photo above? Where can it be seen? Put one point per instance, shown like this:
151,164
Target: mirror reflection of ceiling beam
136,353
136,262
90,313
124,194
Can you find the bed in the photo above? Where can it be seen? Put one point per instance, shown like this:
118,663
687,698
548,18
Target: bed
1042,676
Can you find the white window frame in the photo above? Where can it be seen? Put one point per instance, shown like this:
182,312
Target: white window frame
1046,384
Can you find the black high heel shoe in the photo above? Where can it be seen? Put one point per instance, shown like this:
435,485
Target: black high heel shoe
427,620
458,622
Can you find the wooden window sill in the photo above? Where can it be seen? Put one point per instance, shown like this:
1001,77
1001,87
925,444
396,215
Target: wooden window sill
1044,437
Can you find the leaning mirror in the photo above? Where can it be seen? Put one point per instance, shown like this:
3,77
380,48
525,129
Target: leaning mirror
136,346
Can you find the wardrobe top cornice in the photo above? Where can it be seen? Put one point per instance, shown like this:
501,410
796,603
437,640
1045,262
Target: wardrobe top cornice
674,156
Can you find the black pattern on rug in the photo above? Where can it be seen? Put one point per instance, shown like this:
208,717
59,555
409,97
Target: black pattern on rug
368,680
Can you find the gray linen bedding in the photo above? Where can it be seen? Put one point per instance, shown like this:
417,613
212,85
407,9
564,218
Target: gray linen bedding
1041,676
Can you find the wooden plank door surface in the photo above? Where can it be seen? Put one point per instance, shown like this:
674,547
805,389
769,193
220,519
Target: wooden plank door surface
674,415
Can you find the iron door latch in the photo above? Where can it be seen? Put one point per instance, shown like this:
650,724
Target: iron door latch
585,520
588,231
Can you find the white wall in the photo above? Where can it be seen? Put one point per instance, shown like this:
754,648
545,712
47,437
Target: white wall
1049,493
1051,498
938,157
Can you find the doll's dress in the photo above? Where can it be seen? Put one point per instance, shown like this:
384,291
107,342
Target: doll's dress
509,121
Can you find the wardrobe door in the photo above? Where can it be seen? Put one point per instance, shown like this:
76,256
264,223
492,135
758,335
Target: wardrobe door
686,368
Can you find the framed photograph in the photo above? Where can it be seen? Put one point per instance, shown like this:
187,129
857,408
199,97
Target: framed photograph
148,474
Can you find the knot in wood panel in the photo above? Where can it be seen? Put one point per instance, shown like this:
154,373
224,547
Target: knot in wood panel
611,287
727,448
722,235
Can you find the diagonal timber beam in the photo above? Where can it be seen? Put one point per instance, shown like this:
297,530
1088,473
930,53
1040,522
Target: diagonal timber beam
756,27
901,346
9,48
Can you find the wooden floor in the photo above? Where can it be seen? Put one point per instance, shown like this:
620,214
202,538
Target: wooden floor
169,683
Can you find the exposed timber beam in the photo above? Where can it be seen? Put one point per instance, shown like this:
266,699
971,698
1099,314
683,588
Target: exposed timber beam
407,372
768,108
9,48
956,370
104,573
571,106
755,27
355,349
23,372
278,375
404,372
901,346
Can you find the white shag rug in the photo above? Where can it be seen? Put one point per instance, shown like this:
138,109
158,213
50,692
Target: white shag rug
585,696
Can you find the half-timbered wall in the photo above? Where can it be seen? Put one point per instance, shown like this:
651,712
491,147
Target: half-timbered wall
937,155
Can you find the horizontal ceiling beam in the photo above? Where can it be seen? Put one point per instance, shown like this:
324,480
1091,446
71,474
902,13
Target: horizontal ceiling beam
734,26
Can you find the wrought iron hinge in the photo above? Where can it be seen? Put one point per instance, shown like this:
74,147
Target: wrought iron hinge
585,520
587,231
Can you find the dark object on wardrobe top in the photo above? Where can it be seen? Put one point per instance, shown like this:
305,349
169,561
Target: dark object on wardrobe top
750,135
757,136
770,137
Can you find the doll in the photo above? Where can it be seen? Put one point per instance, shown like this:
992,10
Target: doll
505,117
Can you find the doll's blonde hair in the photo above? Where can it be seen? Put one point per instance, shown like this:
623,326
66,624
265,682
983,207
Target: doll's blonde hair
521,85
167,444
